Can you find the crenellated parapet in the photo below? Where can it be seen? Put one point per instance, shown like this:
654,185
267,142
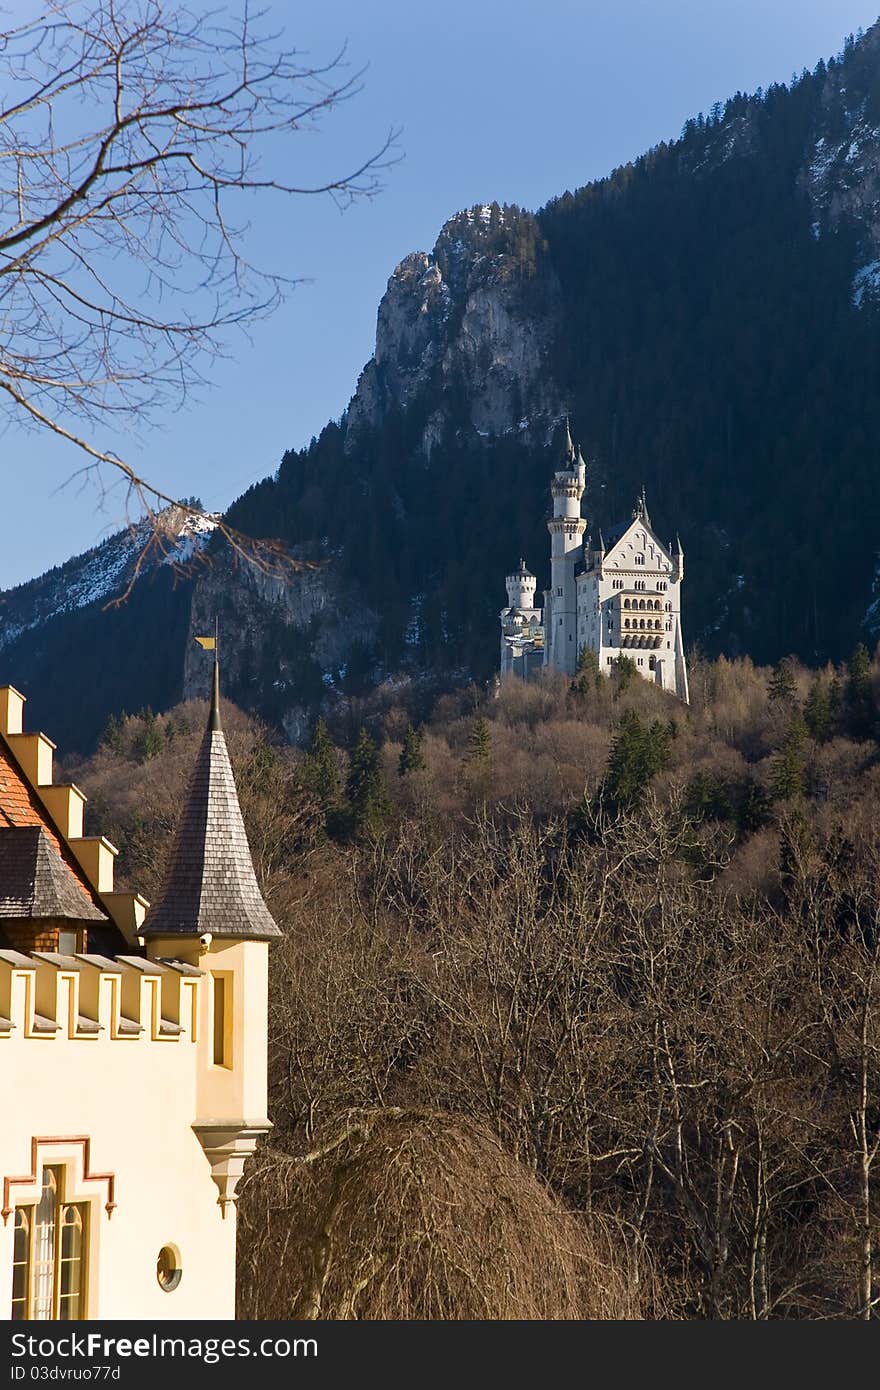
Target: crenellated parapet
47,996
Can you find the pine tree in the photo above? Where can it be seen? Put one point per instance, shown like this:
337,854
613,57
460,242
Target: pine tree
782,688
367,793
859,674
480,743
637,754
412,759
708,797
858,696
587,678
754,809
112,735
817,710
321,768
789,772
149,741
625,672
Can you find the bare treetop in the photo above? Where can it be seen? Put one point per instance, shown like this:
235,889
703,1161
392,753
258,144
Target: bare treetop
130,133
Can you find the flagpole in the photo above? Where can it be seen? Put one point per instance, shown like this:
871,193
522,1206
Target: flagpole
215,685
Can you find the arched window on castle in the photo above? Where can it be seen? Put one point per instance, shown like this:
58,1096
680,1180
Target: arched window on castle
640,559
48,1262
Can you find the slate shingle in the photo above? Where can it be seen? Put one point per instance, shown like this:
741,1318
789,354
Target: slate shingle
210,885
36,883
20,806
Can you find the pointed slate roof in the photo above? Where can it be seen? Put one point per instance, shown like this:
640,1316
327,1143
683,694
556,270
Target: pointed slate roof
210,885
35,882
640,511
568,449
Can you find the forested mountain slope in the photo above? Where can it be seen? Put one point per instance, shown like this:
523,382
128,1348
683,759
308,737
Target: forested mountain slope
708,316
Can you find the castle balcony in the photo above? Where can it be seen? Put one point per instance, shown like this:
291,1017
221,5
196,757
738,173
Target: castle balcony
640,601
641,640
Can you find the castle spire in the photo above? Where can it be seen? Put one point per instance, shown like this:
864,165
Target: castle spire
568,449
214,718
640,511
210,885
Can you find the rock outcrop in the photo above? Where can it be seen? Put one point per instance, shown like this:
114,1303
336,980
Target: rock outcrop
479,314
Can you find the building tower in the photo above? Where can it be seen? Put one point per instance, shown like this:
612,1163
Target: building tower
210,914
566,528
521,586
522,633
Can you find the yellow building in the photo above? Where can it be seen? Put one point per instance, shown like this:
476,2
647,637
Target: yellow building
132,1048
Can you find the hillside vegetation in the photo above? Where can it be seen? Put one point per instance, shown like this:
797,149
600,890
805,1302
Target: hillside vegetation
571,976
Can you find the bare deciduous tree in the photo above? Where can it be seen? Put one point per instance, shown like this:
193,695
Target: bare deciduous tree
420,1214
131,133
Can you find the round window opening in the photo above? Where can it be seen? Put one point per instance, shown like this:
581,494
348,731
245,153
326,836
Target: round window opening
168,1268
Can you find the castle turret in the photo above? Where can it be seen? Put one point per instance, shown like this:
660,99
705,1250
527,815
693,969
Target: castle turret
521,587
522,632
210,913
678,562
566,528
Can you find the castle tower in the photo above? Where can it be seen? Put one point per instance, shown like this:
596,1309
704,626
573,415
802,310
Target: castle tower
521,586
522,633
678,561
566,528
210,914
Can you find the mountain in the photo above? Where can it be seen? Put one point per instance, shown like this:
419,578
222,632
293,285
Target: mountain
78,654
709,316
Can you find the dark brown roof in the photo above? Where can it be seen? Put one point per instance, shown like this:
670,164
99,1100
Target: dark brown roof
210,885
20,805
36,883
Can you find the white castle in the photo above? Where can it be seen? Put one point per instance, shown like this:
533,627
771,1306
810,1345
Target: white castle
620,600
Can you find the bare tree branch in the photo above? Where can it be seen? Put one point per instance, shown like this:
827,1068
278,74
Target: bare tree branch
132,135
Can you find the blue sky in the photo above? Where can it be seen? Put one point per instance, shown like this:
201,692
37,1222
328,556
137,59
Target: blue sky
495,101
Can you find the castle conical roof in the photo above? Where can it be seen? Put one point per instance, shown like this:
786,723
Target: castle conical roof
568,450
35,882
210,885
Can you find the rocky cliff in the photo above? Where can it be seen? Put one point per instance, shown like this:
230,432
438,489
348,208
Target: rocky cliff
468,318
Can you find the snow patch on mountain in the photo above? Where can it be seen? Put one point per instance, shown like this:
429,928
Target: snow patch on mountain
104,572
189,537
866,283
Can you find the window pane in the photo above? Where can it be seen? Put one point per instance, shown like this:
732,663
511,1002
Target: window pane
21,1260
219,1021
70,1275
44,1247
